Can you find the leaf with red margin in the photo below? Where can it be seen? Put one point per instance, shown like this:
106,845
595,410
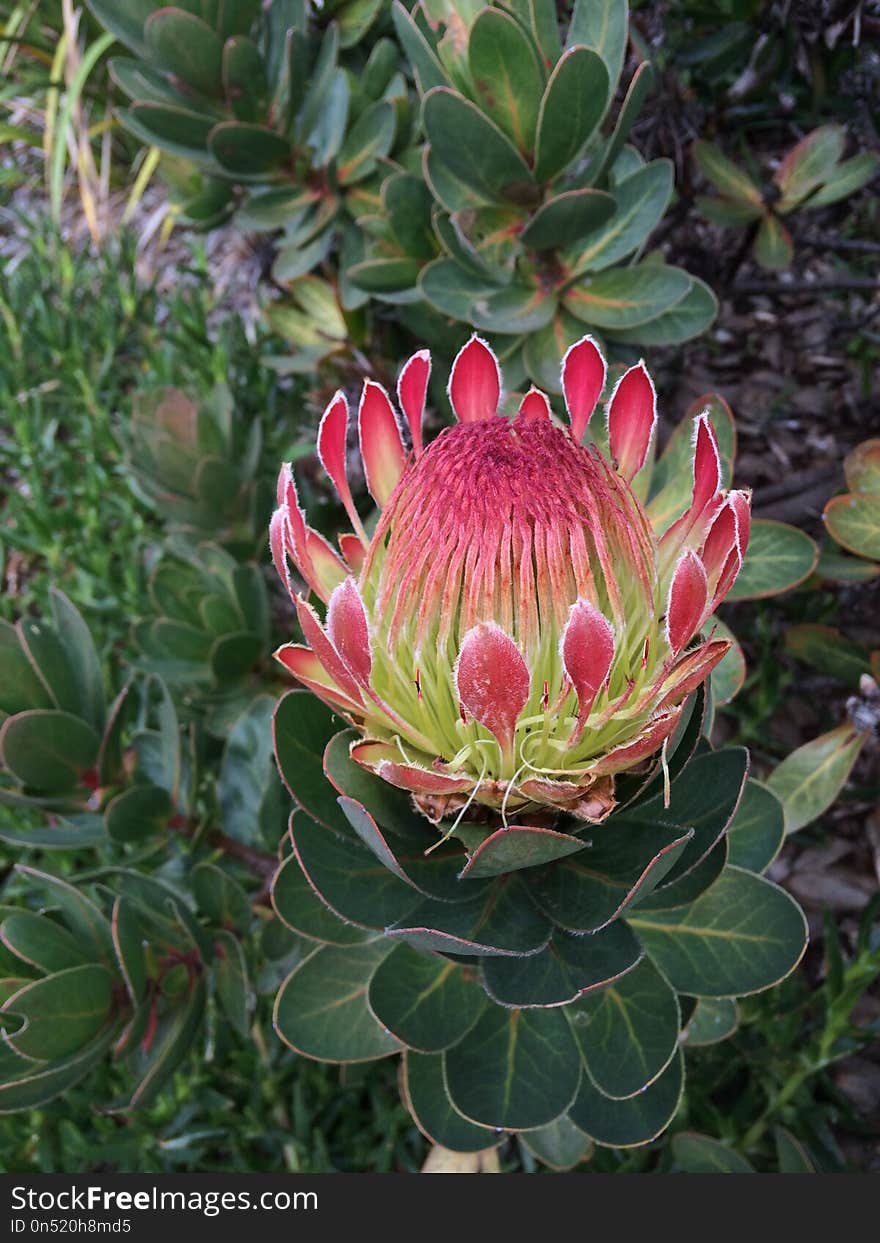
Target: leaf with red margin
434,876
321,1009
703,797
423,1091
426,1001
389,807
502,920
636,1120
586,893
519,846
516,1069
566,969
349,878
301,726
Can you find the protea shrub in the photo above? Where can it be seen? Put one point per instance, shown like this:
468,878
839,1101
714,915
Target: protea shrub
526,881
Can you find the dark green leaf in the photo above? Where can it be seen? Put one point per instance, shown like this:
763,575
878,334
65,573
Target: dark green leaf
519,846
248,150
573,104
567,968
427,1002
186,47
321,1010
302,728
778,558
700,1154
500,920
625,297
741,936
369,139
302,910
40,942
636,1120
584,893
474,149
231,981
567,218
62,1012
508,81
757,830
138,813
713,1020
627,1032
349,878
515,1069
560,1144
424,1094
221,898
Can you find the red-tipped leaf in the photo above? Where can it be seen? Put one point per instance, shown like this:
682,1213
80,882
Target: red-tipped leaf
583,378
349,631
381,447
492,681
475,382
632,417
687,600
587,650
412,387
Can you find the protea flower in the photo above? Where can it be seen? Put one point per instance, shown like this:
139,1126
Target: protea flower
514,633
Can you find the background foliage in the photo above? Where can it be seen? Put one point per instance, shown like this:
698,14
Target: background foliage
147,508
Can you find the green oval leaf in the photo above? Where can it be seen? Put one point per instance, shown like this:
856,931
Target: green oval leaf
566,969
62,1012
809,780
713,1020
507,78
567,218
700,1154
519,846
585,893
321,1009
636,1120
573,105
625,297
515,1069
47,750
248,150
299,907
473,148
427,1002
349,878
742,935
559,1145
757,830
778,558
40,942
853,521
302,727
640,201
500,920
627,1032
424,1093
187,48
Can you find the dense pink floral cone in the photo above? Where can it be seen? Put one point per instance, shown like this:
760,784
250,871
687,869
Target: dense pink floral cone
515,632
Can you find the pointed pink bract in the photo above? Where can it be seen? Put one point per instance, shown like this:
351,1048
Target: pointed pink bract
707,464
332,449
587,650
583,378
632,416
349,631
412,388
687,600
381,447
475,382
492,681
534,405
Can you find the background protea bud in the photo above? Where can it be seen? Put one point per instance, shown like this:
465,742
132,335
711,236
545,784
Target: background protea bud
515,632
